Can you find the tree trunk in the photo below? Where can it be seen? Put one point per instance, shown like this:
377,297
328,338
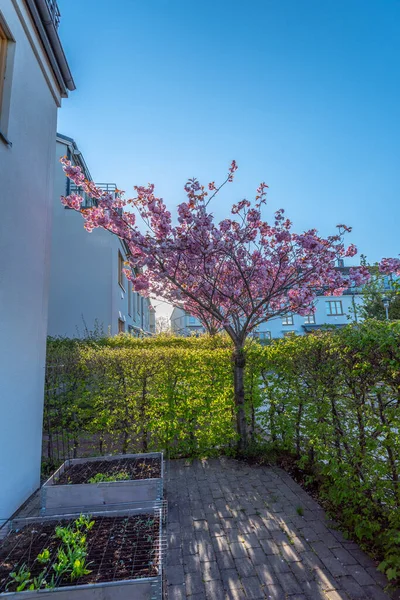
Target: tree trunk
239,363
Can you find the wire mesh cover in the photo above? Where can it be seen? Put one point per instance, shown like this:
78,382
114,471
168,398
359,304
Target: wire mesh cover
132,468
122,545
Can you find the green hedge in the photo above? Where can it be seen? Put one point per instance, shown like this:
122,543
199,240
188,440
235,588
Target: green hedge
334,400
128,395
331,399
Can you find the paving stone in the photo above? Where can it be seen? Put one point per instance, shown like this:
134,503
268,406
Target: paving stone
289,553
335,567
377,576
234,594
194,583
175,575
337,595
252,588
325,579
278,564
214,590
267,575
289,583
189,547
310,535
274,592
257,556
238,550
311,560
210,571
245,567
191,563
361,575
351,586
230,579
313,591
177,592
220,543
206,552
321,550
269,547
375,592
250,540
174,557
344,556
301,572
219,551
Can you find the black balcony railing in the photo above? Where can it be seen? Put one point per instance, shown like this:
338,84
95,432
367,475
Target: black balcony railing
54,12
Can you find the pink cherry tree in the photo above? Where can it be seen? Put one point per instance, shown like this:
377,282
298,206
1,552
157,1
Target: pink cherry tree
232,275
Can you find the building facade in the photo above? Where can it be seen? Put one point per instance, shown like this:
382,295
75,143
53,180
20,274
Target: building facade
89,293
34,77
333,311
182,323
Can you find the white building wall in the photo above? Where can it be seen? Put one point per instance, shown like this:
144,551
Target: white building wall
184,324
26,192
85,294
277,329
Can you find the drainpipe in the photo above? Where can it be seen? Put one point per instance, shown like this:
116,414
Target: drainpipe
43,20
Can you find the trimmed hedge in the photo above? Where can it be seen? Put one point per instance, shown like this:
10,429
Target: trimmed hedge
334,400
331,399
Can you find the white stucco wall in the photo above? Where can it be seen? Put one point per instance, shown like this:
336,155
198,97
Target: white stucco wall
278,330
26,184
84,287
81,265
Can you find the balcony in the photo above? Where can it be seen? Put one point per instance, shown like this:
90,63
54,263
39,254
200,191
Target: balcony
54,12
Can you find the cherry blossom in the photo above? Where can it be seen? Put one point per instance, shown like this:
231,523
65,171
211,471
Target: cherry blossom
235,274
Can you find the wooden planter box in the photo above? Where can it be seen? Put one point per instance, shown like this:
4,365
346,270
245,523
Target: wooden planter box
58,499
145,588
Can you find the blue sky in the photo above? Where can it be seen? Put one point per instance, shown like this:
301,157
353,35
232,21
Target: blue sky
304,94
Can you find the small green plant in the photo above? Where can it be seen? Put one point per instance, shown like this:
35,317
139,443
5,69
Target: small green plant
300,511
22,578
71,558
102,478
44,556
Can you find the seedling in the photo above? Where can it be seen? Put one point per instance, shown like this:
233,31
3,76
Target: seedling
71,558
102,478
300,511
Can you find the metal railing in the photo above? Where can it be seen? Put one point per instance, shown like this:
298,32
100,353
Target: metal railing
54,12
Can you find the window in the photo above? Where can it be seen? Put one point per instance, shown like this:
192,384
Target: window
121,326
129,299
309,319
133,303
3,60
120,270
264,335
287,320
334,307
192,320
289,333
7,47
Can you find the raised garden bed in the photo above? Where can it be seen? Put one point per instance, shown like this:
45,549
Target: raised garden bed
82,483
121,557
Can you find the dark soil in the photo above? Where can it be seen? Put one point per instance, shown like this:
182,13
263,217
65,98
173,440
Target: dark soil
136,468
119,548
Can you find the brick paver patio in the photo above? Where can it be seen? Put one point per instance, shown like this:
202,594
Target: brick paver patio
242,532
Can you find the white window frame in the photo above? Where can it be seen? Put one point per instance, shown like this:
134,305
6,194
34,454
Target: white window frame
334,304
287,320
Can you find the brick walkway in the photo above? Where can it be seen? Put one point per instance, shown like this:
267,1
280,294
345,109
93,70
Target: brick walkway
235,532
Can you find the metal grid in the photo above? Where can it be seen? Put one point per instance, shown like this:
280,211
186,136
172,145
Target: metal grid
127,544
135,468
